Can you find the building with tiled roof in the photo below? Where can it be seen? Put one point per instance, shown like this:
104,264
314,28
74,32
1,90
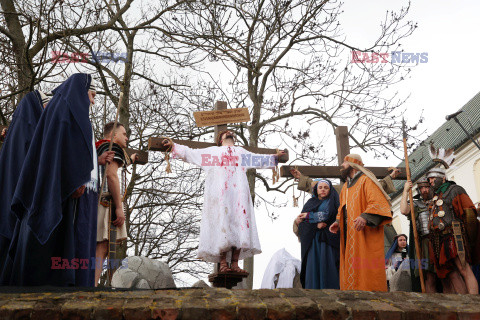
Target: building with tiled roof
465,171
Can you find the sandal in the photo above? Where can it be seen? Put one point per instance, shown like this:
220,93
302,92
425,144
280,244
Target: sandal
237,269
234,266
223,265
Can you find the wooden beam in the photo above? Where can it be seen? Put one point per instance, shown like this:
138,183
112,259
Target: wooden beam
155,144
142,155
334,172
343,145
220,105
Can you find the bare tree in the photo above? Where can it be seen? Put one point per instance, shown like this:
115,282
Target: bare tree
289,62
163,212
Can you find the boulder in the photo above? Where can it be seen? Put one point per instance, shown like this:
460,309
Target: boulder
125,278
155,274
200,284
142,284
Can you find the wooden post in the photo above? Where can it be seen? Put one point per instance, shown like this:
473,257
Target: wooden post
220,105
343,145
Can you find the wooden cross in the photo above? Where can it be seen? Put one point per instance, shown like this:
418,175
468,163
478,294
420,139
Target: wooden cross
220,117
343,149
156,144
141,159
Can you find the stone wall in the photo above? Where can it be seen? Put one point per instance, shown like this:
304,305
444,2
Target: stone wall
209,303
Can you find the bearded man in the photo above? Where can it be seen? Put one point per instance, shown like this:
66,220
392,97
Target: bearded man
452,225
364,210
228,230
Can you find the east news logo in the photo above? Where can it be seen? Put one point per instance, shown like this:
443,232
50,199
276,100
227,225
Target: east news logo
393,57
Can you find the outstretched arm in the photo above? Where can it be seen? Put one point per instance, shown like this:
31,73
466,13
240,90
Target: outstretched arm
193,156
259,161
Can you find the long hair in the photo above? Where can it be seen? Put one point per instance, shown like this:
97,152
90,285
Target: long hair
219,137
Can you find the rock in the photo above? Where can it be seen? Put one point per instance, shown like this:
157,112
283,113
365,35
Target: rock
296,281
142,284
155,274
125,278
200,284
401,280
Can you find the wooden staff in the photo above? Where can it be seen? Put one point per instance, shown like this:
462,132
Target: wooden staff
109,275
412,210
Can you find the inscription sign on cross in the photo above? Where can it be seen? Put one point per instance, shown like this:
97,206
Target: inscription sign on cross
343,149
223,116
220,117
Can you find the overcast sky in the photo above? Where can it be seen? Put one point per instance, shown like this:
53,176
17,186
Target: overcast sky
448,31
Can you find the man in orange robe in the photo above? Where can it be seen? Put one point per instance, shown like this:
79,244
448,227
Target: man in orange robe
364,210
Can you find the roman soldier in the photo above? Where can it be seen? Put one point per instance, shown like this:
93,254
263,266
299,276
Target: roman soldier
420,204
452,225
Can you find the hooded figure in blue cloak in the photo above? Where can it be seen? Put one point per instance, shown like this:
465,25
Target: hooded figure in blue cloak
12,156
59,163
319,247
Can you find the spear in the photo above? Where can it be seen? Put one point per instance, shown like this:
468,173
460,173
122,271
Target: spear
412,209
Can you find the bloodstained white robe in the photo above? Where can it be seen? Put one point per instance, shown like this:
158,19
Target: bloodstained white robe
228,219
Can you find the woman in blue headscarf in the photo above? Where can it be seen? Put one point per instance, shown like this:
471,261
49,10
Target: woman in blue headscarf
319,247
395,256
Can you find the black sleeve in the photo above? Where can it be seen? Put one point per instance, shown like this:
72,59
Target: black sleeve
119,154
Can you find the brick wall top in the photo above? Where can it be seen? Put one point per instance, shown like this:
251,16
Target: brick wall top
237,304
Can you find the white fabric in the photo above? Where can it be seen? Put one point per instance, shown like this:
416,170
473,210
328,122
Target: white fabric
103,221
394,260
401,280
93,184
284,264
228,218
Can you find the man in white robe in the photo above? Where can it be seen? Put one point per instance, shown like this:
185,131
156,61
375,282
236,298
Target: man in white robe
228,228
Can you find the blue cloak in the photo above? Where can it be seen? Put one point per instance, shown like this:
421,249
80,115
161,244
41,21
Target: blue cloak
12,156
13,153
319,247
58,162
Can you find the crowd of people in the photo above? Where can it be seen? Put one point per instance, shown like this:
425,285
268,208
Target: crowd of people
53,228
55,218
342,241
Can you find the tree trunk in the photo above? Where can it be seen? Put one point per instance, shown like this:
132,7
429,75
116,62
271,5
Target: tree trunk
24,70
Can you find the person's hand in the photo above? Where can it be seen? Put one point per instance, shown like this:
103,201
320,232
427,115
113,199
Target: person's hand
280,153
334,227
295,173
120,217
321,225
408,185
395,173
79,192
301,217
167,143
359,223
106,157
134,157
